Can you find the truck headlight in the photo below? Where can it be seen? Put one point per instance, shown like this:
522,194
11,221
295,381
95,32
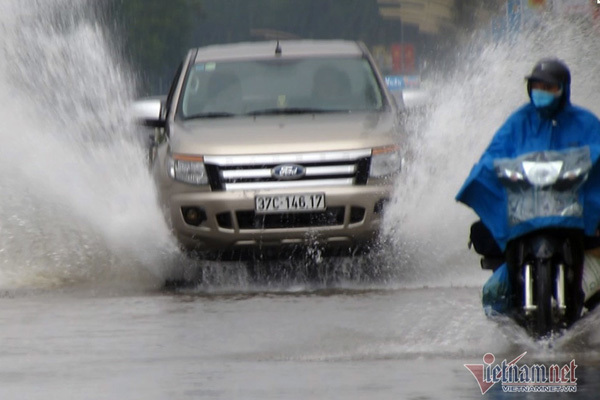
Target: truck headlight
188,169
385,161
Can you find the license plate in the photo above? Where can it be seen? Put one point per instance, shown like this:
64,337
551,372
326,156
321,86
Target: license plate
283,203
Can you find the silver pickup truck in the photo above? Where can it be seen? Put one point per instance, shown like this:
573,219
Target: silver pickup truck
267,146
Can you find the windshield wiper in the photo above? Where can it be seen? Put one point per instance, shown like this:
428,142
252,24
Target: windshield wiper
293,110
214,114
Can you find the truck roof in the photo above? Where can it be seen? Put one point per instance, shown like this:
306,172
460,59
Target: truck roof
289,48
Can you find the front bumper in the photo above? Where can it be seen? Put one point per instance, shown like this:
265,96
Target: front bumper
352,218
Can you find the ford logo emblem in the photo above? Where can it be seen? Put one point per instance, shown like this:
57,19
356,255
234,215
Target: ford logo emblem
288,171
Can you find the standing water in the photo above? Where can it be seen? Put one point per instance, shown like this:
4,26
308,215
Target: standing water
78,210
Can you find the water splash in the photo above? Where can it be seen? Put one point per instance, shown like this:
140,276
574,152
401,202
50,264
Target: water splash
469,103
78,204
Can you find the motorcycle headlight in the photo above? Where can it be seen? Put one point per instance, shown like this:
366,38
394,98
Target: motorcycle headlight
542,173
385,161
188,169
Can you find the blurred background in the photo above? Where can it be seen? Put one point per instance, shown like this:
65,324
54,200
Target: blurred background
408,37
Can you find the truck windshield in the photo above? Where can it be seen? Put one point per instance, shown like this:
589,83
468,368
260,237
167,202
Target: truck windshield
279,86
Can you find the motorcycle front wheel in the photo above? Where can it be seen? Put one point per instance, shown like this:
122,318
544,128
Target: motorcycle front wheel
543,323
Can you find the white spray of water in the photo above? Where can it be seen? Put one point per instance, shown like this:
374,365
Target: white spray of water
428,228
77,202
78,205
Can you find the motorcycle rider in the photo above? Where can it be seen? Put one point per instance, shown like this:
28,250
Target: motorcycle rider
548,122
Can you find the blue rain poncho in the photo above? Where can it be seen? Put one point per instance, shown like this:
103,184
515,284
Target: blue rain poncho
524,132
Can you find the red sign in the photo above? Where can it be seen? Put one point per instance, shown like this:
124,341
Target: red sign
403,58
537,3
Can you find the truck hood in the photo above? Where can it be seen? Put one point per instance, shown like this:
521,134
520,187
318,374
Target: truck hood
284,134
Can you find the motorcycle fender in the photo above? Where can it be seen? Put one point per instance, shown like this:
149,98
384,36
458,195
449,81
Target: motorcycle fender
540,247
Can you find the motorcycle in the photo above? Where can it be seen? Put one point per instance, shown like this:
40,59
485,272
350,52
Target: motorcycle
539,208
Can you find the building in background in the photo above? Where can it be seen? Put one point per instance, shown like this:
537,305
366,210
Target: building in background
518,15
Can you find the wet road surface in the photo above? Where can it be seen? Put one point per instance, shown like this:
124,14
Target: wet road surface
298,343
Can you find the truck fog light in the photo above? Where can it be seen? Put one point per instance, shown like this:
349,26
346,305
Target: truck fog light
193,215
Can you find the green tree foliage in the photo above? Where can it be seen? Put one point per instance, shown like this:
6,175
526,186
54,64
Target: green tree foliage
235,20
152,33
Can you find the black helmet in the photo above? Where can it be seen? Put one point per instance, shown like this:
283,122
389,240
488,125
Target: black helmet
554,72
550,70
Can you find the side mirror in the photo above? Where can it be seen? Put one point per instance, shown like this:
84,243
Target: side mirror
147,112
417,98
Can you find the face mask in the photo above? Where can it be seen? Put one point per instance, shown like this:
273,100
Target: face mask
541,98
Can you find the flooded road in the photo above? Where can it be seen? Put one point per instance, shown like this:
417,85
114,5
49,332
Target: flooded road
84,250
296,344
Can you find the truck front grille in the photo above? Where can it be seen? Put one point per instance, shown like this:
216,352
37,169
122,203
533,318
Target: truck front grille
256,172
